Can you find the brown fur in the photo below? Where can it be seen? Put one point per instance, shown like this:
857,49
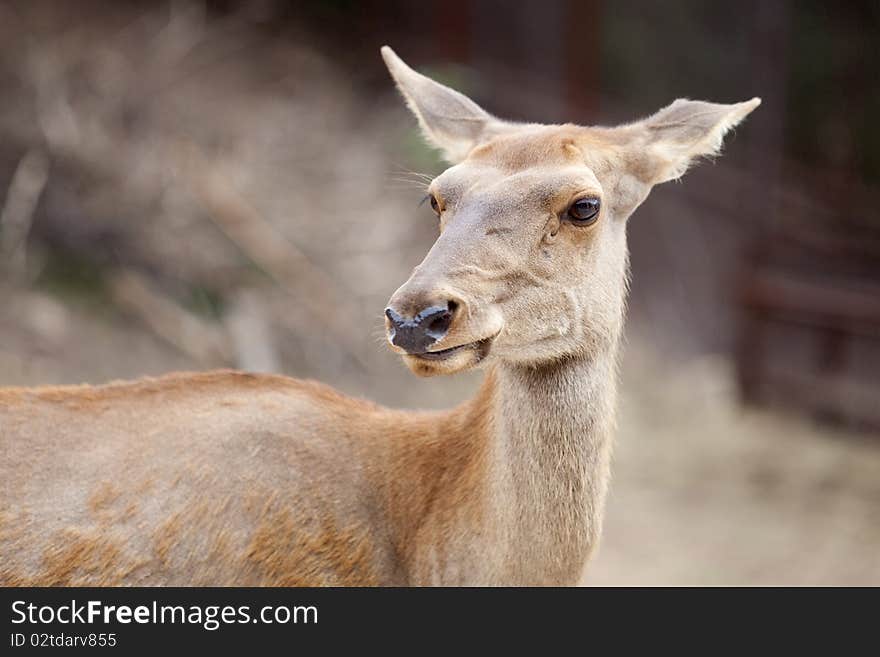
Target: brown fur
323,555
225,478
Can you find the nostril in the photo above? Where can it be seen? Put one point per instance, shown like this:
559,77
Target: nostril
436,321
395,319
440,324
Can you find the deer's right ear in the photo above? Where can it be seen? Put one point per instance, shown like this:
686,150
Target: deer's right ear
668,142
449,120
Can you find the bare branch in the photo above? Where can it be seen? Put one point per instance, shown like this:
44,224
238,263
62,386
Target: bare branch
259,240
206,343
251,334
24,192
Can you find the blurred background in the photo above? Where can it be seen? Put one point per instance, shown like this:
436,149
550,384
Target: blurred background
189,185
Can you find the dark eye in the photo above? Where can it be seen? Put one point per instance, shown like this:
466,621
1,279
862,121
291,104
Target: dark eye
584,211
434,204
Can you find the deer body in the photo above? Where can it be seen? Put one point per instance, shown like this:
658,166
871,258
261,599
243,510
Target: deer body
232,479
495,491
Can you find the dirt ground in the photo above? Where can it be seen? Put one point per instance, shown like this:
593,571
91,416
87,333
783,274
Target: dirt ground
706,492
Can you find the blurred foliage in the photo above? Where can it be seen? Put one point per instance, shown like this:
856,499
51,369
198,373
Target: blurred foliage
206,302
72,275
654,52
834,86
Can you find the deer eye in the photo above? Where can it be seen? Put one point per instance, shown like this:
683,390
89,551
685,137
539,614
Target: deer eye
435,205
584,211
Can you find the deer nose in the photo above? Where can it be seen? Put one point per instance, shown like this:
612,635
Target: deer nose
416,334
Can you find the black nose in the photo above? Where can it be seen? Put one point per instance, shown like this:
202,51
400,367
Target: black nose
418,333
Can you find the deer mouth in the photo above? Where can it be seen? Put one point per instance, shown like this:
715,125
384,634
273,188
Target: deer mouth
480,347
448,361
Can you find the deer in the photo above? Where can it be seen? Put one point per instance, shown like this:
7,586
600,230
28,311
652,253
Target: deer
236,479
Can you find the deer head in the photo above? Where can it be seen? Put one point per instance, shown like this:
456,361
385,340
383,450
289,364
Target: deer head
531,262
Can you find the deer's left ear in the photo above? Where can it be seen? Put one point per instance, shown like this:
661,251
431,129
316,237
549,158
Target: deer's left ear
450,120
670,140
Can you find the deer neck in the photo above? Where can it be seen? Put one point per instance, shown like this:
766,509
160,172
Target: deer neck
549,464
511,487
